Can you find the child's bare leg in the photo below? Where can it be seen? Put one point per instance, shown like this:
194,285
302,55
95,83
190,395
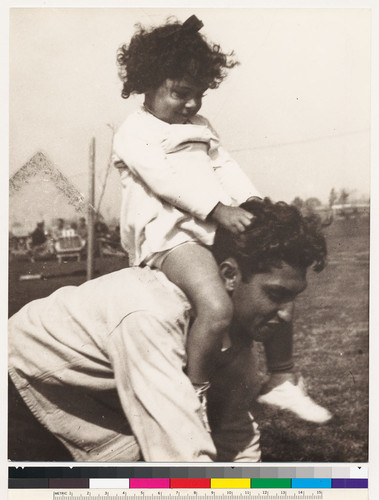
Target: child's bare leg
193,269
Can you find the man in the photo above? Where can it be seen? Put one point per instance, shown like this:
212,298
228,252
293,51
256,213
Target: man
102,365
38,235
39,244
58,228
82,229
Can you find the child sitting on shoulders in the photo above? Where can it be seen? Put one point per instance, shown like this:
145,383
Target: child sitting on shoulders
178,181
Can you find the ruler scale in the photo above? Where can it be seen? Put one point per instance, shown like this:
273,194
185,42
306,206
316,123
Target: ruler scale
19,494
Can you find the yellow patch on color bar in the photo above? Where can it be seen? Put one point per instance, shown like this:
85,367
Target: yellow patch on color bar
230,483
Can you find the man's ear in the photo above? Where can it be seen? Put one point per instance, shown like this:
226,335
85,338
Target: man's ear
230,273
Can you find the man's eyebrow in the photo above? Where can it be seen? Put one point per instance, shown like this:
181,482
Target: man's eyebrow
276,287
282,290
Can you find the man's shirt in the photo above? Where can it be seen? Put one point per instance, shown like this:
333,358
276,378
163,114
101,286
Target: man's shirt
102,367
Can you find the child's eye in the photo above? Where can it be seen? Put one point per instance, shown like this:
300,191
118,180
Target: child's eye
179,95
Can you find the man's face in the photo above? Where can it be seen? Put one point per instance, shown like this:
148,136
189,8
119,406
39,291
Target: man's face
266,298
175,101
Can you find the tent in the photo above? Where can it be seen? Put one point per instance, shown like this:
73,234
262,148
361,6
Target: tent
38,191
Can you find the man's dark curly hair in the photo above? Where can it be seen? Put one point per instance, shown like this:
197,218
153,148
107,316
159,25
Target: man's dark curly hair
174,50
278,233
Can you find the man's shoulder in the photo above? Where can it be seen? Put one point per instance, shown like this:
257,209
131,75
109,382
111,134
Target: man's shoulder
143,289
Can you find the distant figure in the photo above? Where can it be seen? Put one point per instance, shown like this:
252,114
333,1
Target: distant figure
101,229
39,244
82,229
110,245
57,230
38,235
102,237
114,238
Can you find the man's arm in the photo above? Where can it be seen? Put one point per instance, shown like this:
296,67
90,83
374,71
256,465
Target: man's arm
234,431
158,399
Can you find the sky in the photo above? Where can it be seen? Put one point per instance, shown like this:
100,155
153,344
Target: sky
295,113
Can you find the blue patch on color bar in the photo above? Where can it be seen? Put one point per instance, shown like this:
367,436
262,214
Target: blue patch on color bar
300,483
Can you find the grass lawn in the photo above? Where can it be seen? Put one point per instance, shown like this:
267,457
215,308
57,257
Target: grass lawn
332,353
331,346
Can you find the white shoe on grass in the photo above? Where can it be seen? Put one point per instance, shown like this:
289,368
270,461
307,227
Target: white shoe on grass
288,396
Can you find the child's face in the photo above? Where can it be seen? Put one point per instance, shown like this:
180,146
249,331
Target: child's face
175,101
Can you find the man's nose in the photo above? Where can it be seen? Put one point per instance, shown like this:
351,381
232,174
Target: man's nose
285,313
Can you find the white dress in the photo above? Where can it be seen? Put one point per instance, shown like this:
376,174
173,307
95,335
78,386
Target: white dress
173,176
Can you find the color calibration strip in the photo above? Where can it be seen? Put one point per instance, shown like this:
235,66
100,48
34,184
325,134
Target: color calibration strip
184,483
230,477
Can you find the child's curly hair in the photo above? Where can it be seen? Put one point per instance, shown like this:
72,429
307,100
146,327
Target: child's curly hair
173,50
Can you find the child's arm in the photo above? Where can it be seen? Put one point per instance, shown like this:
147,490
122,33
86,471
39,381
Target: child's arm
229,173
184,178
236,182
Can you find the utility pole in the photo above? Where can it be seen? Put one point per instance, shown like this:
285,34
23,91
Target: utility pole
109,166
91,212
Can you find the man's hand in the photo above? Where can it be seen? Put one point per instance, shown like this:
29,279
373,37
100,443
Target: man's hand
235,219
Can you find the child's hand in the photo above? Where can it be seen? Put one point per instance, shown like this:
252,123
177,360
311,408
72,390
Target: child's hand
235,219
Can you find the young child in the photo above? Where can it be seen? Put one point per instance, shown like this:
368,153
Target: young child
178,181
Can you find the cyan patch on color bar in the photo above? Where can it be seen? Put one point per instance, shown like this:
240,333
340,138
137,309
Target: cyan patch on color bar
301,483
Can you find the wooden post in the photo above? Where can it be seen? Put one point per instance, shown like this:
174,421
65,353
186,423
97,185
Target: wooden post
91,212
109,166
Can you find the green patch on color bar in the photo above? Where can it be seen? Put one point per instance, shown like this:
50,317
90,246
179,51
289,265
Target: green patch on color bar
230,483
271,483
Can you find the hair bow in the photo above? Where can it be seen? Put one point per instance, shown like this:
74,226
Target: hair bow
191,25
